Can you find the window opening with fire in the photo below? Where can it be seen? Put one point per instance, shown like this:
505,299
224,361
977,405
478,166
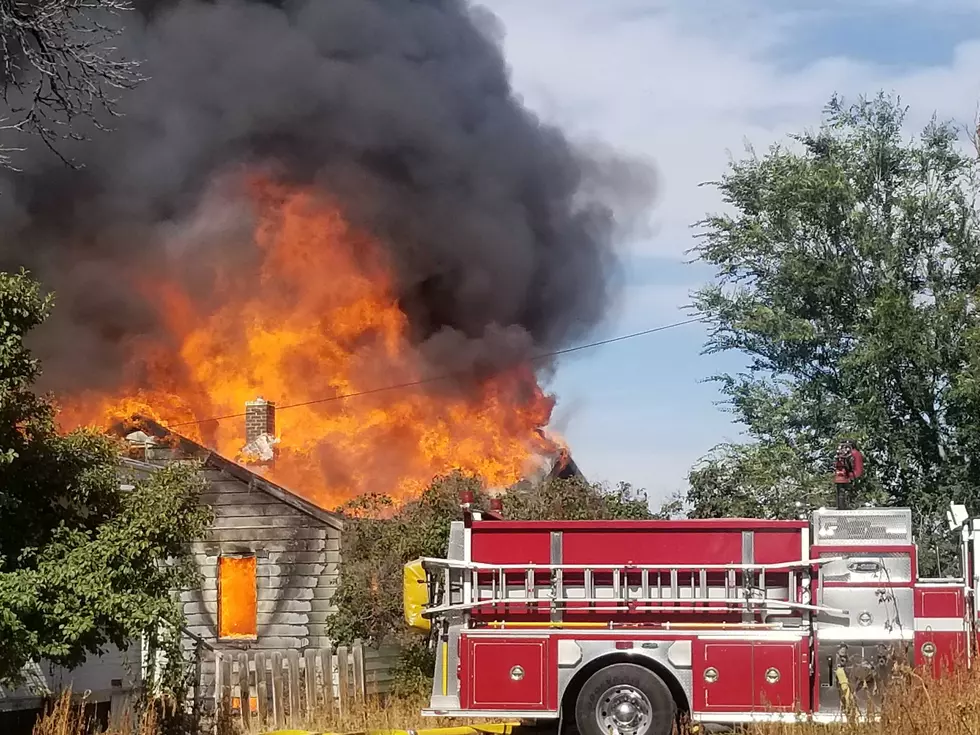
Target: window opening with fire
237,599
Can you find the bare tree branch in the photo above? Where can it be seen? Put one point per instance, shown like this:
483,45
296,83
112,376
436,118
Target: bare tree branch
58,70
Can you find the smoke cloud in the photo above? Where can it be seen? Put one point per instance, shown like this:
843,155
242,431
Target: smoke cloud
502,233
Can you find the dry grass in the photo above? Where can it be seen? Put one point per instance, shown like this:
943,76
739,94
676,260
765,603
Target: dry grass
392,714
67,716
914,706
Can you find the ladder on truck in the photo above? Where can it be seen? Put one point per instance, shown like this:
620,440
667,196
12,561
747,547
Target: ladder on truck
782,588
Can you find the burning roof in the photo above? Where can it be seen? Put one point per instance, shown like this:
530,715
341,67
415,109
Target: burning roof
564,467
148,440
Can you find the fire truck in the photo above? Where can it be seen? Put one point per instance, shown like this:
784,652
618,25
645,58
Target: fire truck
627,626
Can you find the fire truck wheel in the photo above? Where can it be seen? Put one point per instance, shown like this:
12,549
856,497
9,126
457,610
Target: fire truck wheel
624,699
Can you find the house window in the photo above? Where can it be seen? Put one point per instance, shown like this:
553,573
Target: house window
237,606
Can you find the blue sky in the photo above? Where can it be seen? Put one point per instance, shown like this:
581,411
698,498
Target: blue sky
685,84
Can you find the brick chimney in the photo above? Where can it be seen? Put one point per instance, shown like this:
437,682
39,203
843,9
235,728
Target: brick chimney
260,433
260,418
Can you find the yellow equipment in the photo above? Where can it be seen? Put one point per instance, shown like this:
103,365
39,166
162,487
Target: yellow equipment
416,595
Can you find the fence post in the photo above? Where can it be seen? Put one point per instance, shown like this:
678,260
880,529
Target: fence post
277,701
261,689
222,682
198,682
217,682
326,666
359,672
244,693
295,715
309,674
343,669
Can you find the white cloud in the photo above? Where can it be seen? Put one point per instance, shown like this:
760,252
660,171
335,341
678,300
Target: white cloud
683,83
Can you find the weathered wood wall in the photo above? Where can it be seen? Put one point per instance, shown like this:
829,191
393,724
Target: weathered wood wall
115,677
289,688
297,570
379,669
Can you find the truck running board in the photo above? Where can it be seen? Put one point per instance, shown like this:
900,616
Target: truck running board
493,728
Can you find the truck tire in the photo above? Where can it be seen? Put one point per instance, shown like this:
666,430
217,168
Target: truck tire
624,699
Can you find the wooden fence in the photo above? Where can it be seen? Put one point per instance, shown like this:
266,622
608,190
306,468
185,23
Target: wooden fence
287,688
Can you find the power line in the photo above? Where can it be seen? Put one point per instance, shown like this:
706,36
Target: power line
446,376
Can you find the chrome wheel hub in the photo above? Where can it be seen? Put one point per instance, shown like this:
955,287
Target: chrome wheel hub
623,710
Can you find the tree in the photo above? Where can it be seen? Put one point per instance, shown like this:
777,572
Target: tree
87,556
760,480
848,274
58,72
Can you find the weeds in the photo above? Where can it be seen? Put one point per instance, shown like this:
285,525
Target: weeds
913,705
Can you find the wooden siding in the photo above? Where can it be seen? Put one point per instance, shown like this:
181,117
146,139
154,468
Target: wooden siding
379,669
114,675
297,571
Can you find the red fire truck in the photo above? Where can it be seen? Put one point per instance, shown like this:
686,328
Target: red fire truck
625,626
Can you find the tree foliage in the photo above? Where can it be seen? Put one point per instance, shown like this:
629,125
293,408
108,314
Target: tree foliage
87,557
58,72
848,274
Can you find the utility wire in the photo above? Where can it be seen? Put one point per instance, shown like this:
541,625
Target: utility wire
446,376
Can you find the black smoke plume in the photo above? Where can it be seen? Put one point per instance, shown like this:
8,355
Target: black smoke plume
500,229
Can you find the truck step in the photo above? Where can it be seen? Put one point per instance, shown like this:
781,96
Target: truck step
495,728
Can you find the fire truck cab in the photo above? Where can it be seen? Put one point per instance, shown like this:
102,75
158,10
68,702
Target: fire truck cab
625,626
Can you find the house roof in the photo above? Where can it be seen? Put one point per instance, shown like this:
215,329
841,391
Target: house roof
215,461
565,468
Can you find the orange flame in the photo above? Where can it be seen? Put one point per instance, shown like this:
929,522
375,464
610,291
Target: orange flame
320,320
237,597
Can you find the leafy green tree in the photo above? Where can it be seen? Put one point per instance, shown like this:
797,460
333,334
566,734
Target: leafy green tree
759,480
576,500
848,271
87,557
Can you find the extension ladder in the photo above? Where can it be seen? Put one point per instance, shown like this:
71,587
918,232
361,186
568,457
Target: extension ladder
752,589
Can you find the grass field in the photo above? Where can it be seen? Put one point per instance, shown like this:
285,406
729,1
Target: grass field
913,706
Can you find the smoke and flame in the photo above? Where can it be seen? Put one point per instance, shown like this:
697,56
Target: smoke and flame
318,320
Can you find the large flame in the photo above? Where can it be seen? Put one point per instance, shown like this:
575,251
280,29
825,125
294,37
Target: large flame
319,320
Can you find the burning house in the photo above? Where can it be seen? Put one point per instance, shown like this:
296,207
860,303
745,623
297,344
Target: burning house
269,565
270,560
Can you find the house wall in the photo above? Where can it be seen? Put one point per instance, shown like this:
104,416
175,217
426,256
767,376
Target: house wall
109,677
297,571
